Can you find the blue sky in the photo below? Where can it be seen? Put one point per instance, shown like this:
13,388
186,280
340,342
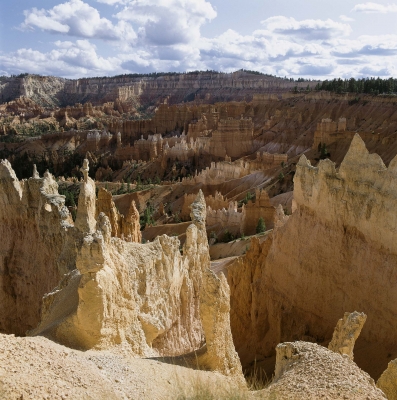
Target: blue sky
294,38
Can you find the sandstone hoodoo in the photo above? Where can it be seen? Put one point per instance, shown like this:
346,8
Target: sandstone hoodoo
151,296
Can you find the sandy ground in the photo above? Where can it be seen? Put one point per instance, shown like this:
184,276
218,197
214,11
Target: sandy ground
36,368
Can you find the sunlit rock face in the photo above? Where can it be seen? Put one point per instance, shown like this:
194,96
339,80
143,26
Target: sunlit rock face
36,246
157,298
336,252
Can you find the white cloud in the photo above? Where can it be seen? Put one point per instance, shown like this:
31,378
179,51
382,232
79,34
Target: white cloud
165,35
112,2
68,59
76,18
168,22
366,45
309,29
370,8
345,18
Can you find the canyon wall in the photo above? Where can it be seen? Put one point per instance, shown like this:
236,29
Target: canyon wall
260,208
336,252
176,87
329,131
229,219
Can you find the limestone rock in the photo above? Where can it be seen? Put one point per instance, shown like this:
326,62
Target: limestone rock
215,316
127,227
130,225
309,371
106,205
346,333
85,218
37,246
388,381
149,296
337,251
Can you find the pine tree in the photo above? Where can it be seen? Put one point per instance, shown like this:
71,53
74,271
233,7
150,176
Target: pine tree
260,227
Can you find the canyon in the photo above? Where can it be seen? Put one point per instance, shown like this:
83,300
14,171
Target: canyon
203,226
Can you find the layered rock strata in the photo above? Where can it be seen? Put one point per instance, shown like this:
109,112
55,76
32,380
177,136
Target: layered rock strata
337,251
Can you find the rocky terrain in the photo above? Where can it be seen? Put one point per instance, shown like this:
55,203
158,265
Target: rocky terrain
212,233
51,91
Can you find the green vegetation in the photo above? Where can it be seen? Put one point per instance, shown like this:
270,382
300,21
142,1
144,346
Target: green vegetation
281,177
260,227
71,194
227,236
322,148
372,86
214,236
249,196
177,217
147,217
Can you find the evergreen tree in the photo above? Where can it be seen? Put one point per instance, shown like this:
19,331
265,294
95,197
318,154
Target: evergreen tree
260,227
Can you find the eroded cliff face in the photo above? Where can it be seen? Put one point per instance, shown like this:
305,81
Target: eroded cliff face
150,296
336,252
36,246
99,290
177,88
125,227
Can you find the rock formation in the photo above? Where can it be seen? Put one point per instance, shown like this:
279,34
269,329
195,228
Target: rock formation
388,381
214,295
36,249
85,219
229,219
125,227
151,296
346,333
179,87
309,371
254,210
328,131
337,251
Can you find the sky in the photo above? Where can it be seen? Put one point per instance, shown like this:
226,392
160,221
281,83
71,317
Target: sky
313,39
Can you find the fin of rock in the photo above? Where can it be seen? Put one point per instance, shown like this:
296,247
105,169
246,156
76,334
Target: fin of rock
346,333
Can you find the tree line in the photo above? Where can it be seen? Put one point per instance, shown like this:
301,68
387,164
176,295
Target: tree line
372,86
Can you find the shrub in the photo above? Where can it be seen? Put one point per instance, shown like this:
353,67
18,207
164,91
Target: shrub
227,236
281,177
